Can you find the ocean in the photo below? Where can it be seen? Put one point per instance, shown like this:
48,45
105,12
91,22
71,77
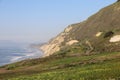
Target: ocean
13,53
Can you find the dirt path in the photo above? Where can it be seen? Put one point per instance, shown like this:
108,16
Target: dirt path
2,70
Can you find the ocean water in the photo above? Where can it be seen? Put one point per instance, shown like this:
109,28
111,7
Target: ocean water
14,53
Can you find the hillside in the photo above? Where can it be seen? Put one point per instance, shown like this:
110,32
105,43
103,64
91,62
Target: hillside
99,33
88,50
104,66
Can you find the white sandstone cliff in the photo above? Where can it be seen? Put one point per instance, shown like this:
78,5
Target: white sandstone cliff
55,44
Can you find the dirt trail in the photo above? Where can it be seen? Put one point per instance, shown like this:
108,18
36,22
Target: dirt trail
3,70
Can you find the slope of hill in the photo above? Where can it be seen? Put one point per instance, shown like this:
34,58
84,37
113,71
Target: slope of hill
84,51
99,33
104,66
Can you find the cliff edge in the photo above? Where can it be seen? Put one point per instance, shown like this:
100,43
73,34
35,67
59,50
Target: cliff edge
99,33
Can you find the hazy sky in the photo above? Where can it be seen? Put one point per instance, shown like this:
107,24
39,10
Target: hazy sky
40,20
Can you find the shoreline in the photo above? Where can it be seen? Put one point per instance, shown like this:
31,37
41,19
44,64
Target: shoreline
30,53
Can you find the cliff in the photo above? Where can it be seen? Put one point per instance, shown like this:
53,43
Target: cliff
99,33
75,51
56,43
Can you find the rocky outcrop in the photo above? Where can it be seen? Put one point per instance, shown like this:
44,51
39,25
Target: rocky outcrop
72,42
115,38
99,33
56,43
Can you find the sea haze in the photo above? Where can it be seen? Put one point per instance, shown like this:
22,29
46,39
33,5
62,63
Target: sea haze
12,52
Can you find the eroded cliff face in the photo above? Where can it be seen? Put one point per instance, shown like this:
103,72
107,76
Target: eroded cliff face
100,32
56,43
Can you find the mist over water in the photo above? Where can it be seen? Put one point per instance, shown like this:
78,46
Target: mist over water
12,52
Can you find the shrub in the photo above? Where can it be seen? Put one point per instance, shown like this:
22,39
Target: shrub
108,34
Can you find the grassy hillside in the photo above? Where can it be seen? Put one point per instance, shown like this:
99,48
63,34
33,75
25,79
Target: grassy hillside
93,57
70,67
97,33
106,22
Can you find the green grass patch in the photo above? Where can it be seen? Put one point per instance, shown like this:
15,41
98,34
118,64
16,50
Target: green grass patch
103,71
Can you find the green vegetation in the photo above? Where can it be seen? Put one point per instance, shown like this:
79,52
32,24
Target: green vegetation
100,22
88,72
82,67
93,58
108,34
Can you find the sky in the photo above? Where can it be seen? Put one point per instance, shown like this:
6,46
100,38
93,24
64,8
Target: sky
41,20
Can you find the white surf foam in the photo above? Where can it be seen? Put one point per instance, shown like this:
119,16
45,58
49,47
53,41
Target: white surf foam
30,53
15,58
